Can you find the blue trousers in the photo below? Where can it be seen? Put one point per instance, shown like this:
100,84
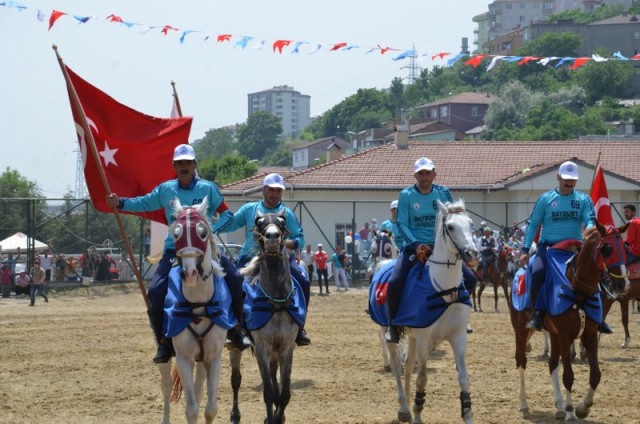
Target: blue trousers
295,273
39,288
160,284
538,275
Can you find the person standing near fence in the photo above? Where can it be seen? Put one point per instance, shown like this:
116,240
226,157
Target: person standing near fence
307,258
320,257
37,285
338,261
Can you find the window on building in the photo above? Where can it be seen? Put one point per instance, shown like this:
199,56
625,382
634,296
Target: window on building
475,111
507,6
536,5
547,5
507,19
434,112
522,6
636,35
521,19
444,111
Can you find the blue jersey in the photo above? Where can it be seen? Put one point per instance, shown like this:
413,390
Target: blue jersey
398,239
163,197
417,213
245,217
562,217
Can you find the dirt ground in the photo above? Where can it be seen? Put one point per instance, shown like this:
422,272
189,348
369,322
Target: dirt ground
85,357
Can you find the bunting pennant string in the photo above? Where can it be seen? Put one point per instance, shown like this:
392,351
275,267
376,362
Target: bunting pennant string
57,17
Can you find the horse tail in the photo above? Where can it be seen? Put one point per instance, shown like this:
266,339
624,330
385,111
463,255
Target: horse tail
176,392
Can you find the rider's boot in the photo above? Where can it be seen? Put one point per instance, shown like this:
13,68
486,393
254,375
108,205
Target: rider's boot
393,334
302,339
165,347
604,328
238,338
535,323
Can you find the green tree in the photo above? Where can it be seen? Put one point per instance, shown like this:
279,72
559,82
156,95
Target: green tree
227,169
397,95
259,135
564,44
217,142
611,78
510,108
14,212
281,157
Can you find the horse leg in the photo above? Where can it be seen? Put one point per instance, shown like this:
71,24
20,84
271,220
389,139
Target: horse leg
235,357
286,367
590,343
495,297
385,355
185,371
201,376
518,322
459,344
268,394
213,381
624,309
554,369
166,385
568,377
480,290
421,383
403,412
504,285
275,384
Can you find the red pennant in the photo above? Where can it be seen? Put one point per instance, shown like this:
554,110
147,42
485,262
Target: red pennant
55,15
440,55
475,61
280,44
600,198
123,136
115,18
525,60
579,62
337,46
165,29
224,37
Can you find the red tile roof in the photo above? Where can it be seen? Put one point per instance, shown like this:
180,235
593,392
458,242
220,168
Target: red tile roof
461,165
462,98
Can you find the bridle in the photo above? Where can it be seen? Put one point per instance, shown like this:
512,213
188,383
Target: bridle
263,222
191,231
448,239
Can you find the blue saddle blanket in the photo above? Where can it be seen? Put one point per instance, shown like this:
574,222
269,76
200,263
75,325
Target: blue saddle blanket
177,310
420,306
521,288
258,309
556,296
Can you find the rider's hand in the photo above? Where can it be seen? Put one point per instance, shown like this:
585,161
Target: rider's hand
523,260
112,200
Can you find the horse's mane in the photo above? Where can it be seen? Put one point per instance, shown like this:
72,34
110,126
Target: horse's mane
252,268
452,207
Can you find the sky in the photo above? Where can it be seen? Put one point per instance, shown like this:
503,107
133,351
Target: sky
37,132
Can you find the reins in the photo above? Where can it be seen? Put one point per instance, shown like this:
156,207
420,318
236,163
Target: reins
447,236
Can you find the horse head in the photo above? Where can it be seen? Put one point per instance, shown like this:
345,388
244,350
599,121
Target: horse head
456,228
611,257
192,236
506,252
270,231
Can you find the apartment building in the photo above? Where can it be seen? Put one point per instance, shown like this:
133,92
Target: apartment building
286,103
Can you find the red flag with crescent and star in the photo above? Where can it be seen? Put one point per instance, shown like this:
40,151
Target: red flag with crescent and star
600,198
135,150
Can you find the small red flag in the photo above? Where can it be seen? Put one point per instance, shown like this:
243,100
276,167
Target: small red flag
135,150
55,15
522,284
600,198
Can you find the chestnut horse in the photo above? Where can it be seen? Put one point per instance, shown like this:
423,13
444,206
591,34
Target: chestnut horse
634,293
498,276
602,253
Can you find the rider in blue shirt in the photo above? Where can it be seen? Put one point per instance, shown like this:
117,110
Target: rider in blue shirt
417,210
562,212
190,190
271,202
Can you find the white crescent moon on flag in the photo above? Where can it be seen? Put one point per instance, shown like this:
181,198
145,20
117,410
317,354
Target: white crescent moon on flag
603,201
107,154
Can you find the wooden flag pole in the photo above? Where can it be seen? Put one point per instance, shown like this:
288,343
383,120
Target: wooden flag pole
175,96
75,104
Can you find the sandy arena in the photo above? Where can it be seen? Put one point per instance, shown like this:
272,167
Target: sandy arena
85,357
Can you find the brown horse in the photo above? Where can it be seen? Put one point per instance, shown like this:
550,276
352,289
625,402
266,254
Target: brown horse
498,273
634,293
601,253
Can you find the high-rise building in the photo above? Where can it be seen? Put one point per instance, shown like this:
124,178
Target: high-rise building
284,102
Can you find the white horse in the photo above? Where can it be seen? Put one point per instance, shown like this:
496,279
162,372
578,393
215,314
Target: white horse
201,340
453,244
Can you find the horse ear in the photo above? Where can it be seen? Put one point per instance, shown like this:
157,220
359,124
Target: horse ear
177,207
443,208
601,229
202,207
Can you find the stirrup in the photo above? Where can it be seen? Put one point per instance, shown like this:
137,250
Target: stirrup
604,328
535,323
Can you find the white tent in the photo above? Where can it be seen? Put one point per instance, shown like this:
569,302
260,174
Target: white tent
11,244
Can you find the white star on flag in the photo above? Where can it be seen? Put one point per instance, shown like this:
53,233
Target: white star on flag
108,155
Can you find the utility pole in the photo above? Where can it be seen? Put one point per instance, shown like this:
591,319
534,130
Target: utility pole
413,67
80,186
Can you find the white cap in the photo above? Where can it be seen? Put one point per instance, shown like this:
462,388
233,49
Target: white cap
184,152
274,180
483,223
568,171
394,205
319,244
423,163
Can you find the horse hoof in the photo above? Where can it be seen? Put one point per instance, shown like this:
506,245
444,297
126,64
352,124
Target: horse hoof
387,368
560,415
404,417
